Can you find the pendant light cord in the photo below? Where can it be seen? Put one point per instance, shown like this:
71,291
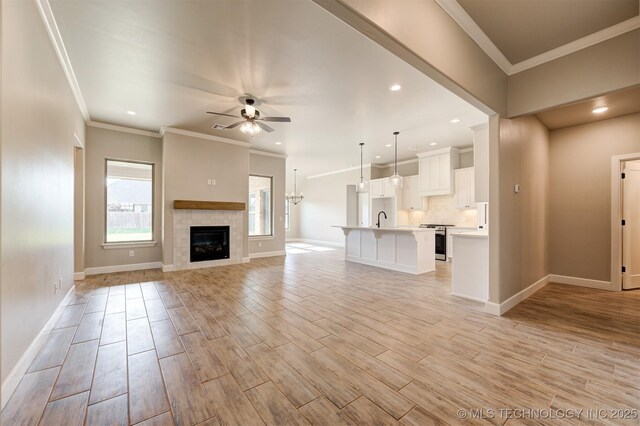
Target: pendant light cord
295,180
395,169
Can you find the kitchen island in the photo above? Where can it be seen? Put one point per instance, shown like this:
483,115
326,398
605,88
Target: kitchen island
410,250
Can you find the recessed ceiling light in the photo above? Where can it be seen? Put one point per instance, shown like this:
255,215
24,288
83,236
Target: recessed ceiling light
413,148
395,87
455,120
278,143
377,156
388,145
131,112
600,110
433,143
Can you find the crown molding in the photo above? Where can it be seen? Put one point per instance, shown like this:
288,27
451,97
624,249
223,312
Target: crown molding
124,129
173,130
462,18
582,43
267,154
348,169
56,39
400,163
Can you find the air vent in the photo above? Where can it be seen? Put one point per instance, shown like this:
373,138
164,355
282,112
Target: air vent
219,126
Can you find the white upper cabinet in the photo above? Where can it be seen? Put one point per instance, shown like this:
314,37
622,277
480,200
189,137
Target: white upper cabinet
411,198
436,171
381,188
464,183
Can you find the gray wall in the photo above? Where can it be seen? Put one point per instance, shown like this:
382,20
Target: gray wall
78,210
580,197
275,167
188,162
39,119
102,144
524,217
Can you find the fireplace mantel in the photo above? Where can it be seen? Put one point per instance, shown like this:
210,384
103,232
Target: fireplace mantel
208,205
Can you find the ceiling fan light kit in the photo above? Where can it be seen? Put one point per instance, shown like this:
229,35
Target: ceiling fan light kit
252,123
363,185
293,197
395,179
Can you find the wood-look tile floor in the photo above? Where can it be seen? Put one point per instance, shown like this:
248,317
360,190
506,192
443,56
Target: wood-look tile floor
310,339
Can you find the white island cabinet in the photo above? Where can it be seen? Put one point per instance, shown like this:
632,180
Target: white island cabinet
470,271
408,250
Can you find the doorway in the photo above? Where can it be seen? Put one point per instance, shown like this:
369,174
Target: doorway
631,225
78,212
625,222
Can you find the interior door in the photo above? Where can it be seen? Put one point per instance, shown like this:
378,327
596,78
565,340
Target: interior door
631,229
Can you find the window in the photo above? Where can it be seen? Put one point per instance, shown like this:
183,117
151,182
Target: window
260,206
287,208
129,202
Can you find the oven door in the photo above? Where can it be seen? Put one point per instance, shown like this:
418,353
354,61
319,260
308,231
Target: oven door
441,245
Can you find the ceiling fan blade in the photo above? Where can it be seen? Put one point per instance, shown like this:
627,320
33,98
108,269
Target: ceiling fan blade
231,126
277,119
265,127
223,114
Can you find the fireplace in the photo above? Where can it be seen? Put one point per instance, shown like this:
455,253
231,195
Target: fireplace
209,243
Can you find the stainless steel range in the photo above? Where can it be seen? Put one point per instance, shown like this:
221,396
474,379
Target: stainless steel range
441,239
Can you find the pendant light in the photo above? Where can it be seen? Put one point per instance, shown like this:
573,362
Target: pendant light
293,197
396,179
363,186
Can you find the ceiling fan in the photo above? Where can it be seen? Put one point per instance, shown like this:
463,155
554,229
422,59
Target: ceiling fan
253,123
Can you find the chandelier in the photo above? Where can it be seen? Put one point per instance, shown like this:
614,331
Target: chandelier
293,197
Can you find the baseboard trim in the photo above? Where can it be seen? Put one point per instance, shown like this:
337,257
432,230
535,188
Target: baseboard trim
500,309
78,276
582,282
122,268
267,254
464,296
14,377
168,268
321,242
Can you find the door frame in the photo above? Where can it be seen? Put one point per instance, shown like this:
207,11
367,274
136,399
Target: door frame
616,217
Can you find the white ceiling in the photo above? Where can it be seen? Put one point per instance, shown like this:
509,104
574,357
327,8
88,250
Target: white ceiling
172,61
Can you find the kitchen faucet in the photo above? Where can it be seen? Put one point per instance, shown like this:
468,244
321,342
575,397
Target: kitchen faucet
385,216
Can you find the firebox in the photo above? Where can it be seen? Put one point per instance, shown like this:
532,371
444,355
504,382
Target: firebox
209,243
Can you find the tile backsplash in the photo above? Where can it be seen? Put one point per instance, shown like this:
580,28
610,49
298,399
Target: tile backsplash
442,210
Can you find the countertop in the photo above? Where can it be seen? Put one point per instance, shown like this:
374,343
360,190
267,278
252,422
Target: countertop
397,229
473,234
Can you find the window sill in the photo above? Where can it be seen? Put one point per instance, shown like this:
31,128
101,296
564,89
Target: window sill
134,244
261,237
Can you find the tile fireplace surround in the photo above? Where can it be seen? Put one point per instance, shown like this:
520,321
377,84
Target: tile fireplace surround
183,219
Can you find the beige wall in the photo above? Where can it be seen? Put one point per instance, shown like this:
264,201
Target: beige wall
425,36
524,217
605,67
274,167
580,195
325,205
39,119
102,144
188,163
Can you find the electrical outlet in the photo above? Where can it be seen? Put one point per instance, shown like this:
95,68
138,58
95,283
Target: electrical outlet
132,253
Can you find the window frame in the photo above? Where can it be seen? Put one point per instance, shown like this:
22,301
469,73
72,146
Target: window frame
271,208
130,243
287,214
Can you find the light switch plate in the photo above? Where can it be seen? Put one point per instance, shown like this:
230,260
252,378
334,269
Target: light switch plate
516,188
